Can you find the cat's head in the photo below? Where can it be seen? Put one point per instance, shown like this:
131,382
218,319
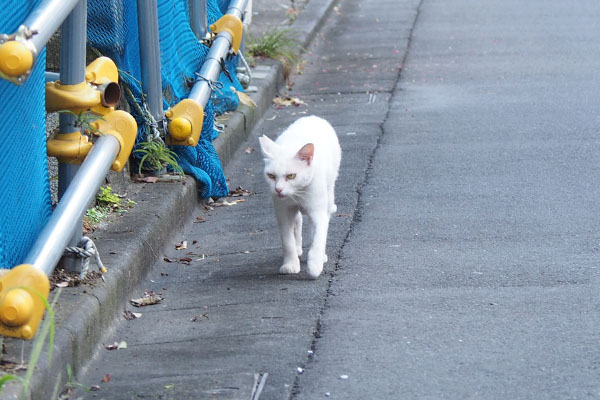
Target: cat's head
288,171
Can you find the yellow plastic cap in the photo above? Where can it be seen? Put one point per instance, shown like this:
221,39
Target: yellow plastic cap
180,128
15,58
23,291
17,307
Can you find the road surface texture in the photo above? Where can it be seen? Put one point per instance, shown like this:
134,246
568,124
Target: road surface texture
463,260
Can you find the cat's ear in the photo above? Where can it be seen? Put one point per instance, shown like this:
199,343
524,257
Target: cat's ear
306,153
266,146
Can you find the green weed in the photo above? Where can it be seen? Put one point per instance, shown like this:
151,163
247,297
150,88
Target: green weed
156,156
107,198
107,202
84,120
276,43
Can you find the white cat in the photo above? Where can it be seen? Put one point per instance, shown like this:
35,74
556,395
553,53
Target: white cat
301,167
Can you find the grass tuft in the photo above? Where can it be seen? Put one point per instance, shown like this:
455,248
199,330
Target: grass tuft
276,43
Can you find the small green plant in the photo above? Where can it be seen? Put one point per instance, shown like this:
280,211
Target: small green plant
96,214
107,198
155,156
72,384
84,120
276,43
107,201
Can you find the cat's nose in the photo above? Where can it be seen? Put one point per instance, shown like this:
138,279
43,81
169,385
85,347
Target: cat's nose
278,190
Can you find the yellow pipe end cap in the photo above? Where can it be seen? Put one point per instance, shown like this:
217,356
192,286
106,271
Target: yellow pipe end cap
23,293
185,123
15,58
231,24
17,307
180,128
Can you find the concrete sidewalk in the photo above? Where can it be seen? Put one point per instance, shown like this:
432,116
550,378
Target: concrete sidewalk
229,321
130,244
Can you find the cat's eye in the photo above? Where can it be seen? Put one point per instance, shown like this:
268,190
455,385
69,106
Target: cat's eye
271,176
290,176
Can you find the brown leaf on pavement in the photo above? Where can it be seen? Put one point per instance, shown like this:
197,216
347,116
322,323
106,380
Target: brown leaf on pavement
287,101
149,299
240,192
129,315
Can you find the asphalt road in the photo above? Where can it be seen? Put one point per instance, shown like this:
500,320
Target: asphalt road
463,258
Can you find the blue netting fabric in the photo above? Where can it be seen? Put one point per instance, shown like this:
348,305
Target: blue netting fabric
113,30
25,194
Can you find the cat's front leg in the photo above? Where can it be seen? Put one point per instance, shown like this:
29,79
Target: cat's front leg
298,232
316,254
286,219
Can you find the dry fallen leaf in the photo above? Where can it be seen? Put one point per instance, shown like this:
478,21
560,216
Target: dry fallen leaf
228,203
287,101
240,192
181,245
147,179
244,98
12,366
149,299
248,150
199,219
62,284
116,345
106,378
129,315
199,318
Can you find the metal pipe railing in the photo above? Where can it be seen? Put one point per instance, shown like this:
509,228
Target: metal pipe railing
53,239
211,68
46,19
147,11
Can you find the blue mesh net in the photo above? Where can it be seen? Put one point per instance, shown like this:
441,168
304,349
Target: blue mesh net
25,194
113,31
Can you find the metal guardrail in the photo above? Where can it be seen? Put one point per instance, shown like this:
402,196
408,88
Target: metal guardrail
84,88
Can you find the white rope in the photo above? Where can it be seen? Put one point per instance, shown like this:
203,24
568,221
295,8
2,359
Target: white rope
86,249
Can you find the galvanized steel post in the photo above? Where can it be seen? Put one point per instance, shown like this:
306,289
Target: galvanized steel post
198,19
72,71
147,11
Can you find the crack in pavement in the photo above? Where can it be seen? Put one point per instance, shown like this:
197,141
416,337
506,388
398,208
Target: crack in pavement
356,216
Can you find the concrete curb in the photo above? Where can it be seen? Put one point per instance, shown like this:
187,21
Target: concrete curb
128,244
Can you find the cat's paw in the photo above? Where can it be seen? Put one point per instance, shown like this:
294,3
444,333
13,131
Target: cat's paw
332,208
299,250
290,268
314,270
